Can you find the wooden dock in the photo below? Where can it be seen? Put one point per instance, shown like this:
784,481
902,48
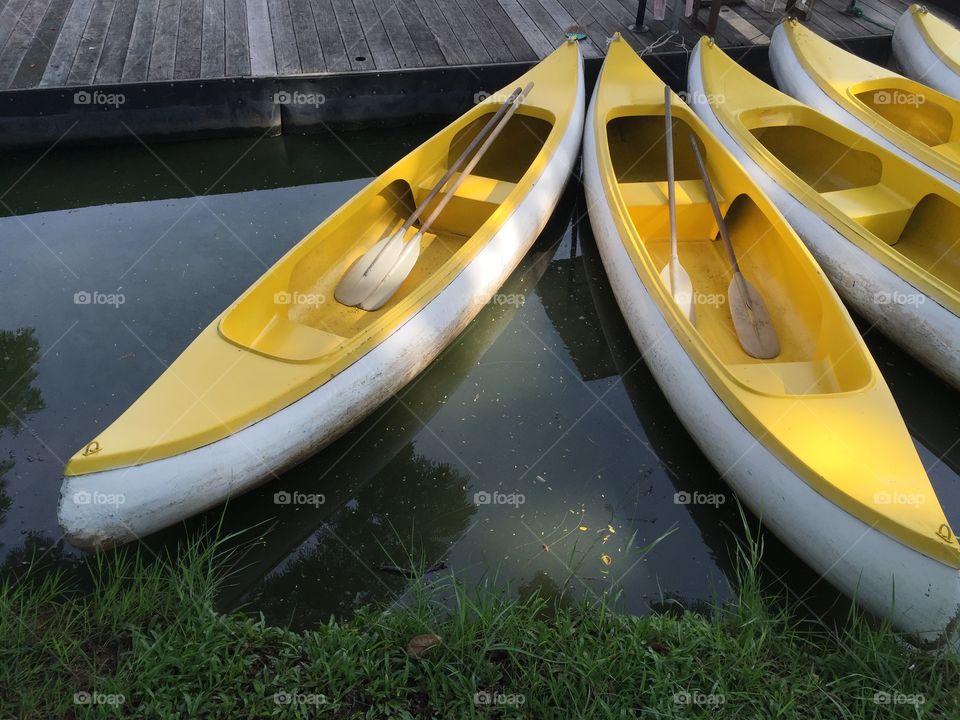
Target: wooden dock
59,43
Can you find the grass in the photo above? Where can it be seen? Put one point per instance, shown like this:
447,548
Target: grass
147,643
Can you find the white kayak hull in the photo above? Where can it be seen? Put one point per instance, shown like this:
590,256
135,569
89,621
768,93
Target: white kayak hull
793,79
117,506
924,328
920,61
857,559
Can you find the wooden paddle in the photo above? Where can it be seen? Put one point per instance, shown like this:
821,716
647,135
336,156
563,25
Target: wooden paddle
369,270
411,249
751,319
674,275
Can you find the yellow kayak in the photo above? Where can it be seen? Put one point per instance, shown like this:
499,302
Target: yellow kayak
286,368
928,49
811,439
909,119
885,232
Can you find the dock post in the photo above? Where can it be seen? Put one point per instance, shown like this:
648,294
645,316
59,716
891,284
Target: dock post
638,26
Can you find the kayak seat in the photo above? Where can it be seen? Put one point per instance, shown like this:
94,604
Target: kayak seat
472,203
646,201
877,208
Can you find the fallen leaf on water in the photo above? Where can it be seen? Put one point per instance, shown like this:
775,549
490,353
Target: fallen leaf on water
610,528
419,644
606,559
583,528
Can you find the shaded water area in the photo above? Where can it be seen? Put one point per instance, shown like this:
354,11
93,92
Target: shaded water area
543,403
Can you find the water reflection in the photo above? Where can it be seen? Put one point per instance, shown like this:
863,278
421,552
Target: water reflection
544,396
19,353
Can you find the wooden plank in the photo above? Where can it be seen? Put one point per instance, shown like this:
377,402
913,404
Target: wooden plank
749,34
213,58
186,64
474,48
117,42
284,39
762,21
565,20
528,28
396,30
20,39
882,12
163,54
446,39
331,42
308,41
621,18
354,41
486,30
381,49
548,26
91,43
423,38
10,18
236,39
508,31
137,63
853,27
263,59
38,54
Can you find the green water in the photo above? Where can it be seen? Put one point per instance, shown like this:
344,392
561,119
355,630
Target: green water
545,397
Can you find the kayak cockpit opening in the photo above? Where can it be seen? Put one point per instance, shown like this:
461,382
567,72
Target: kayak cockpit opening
806,321
824,162
911,107
291,314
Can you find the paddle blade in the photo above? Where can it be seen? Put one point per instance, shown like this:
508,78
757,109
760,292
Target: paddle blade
393,279
751,320
683,292
369,270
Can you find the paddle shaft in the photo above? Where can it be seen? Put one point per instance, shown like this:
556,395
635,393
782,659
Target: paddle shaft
448,194
460,160
712,197
449,173
671,190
